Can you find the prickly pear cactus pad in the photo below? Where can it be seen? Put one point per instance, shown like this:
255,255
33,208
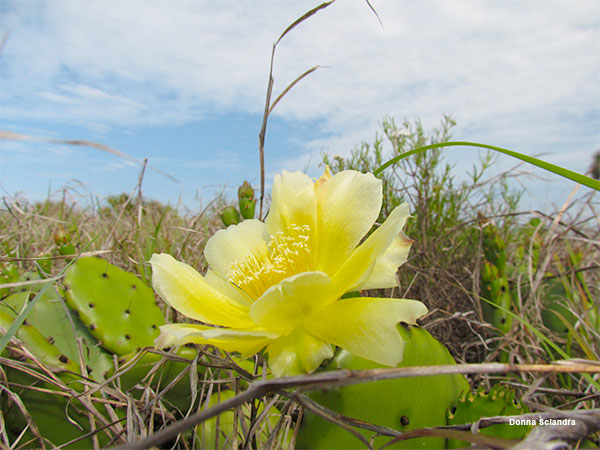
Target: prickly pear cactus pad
37,343
500,401
118,309
403,404
49,318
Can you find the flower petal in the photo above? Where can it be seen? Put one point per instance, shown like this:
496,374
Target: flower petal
386,265
227,288
188,292
297,354
286,305
245,342
367,326
359,267
234,245
293,202
348,204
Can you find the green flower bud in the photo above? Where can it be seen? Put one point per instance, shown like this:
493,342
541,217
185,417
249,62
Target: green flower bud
247,207
245,191
230,216
67,249
61,236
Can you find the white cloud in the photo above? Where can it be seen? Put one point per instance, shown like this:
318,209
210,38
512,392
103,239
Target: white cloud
517,74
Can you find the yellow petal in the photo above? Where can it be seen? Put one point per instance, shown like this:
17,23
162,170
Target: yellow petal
386,265
235,244
297,354
284,306
357,270
227,288
245,342
348,204
188,292
293,202
367,326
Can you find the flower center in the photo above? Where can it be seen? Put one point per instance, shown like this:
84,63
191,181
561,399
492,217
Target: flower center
287,254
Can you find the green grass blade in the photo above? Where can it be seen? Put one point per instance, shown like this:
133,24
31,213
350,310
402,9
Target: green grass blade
566,173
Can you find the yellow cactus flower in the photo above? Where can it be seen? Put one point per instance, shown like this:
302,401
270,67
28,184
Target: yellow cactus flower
279,284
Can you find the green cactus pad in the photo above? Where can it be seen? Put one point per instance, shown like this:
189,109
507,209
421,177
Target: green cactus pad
118,309
555,307
494,247
500,401
9,274
49,320
37,344
403,404
494,287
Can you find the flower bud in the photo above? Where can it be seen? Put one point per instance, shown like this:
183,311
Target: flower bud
61,236
247,207
67,249
245,191
230,216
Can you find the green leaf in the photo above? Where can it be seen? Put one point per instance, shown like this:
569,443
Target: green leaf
566,173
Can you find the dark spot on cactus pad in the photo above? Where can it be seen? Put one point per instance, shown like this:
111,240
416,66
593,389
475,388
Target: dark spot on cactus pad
127,337
31,296
91,326
75,312
139,349
50,339
503,320
404,420
91,305
154,326
89,369
25,322
133,286
63,359
105,275
127,311
503,288
157,303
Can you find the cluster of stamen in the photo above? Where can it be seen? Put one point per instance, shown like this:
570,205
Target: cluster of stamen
288,253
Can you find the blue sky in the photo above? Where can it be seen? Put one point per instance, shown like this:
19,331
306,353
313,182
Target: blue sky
183,84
